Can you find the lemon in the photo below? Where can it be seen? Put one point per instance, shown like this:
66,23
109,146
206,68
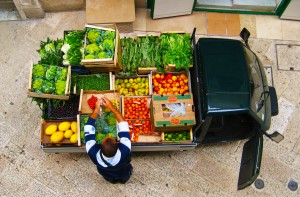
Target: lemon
74,126
51,129
73,138
63,126
68,133
57,136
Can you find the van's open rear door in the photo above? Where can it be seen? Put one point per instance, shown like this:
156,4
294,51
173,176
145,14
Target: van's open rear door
251,160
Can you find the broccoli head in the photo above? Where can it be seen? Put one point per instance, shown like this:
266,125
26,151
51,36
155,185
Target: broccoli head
38,70
111,134
51,73
110,119
37,85
108,44
48,87
89,57
101,55
60,87
92,35
92,48
100,137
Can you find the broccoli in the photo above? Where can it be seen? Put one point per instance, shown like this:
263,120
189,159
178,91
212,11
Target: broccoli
108,45
37,84
93,34
100,137
38,70
92,48
110,119
50,48
111,134
48,87
89,56
51,72
60,87
61,73
101,55
82,136
110,35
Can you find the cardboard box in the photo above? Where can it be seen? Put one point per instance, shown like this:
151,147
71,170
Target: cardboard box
161,115
106,64
163,137
45,139
66,96
177,74
132,77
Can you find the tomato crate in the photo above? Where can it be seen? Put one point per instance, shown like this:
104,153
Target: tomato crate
32,92
170,83
185,136
46,139
113,63
138,85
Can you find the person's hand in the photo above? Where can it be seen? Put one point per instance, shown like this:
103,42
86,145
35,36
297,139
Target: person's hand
97,106
107,103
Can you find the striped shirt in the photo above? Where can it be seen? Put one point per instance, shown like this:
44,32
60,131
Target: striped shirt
121,157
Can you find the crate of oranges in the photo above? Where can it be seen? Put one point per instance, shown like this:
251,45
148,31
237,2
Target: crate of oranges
136,112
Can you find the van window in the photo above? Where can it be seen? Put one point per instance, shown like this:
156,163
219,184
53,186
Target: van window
256,85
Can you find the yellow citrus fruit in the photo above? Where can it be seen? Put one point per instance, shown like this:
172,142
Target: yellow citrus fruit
68,133
73,138
63,126
74,126
57,136
51,129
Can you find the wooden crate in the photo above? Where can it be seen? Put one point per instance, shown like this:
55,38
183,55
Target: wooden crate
106,64
114,77
84,108
175,73
51,96
182,141
110,82
45,139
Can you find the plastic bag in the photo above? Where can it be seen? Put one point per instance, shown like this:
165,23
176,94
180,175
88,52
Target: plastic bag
178,109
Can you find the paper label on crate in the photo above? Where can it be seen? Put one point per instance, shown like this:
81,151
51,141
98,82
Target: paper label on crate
175,121
166,98
172,99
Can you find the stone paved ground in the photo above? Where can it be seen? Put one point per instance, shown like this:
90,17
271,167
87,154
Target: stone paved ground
25,170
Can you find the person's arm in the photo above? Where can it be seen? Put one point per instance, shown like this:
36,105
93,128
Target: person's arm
107,103
90,135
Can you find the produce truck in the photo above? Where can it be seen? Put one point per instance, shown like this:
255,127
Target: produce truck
231,101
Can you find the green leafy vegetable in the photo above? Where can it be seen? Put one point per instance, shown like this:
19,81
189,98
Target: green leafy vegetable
73,47
37,85
176,49
97,82
48,87
50,52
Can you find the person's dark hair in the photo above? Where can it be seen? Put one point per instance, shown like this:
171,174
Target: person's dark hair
109,147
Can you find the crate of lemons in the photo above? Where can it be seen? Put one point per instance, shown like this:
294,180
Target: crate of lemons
64,130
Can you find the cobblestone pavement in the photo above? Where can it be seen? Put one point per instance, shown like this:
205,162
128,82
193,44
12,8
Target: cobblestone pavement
211,170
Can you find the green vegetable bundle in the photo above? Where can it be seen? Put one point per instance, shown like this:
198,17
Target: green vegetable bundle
98,82
49,79
177,136
100,44
104,125
176,49
141,52
73,47
50,52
